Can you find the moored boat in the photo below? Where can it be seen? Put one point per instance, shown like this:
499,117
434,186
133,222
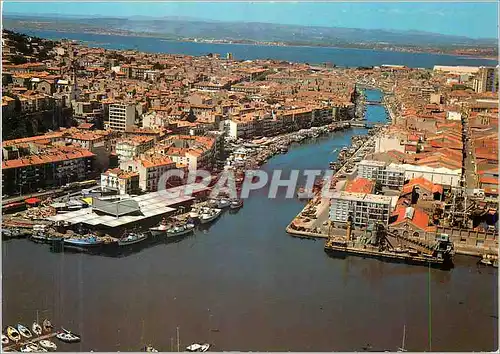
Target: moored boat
36,328
85,241
67,337
132,238
47,344
159,230
24,331
195,347
13,334
32,347
180,230
47,325
236,203
5,339
209,215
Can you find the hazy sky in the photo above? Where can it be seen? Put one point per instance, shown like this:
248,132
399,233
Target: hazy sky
466,19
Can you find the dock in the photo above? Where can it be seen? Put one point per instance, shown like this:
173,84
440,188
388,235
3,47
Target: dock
356,249
19,344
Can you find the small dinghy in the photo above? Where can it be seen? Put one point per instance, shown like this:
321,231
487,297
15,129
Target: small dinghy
13,334
47,344
36,328
47,326
150,349
204,347
5,339
24,331
198,347
32,347
193,347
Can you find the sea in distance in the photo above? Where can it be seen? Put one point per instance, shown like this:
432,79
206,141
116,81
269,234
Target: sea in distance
342,57
244,284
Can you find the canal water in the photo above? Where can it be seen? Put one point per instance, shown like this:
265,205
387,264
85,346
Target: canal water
244,284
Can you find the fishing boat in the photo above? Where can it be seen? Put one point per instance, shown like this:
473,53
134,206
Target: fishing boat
5,339
180,230
85,241
209,215
47,325
219,203
132,238
24,331
236,203
13,334
67,337
194,214
47,344
36,328
161,229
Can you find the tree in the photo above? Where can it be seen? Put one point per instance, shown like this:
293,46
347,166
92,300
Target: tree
158,66
18,59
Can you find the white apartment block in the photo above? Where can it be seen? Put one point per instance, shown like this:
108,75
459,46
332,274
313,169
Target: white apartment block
121,116
120,181
363,208
388,176
127,149
149,169
370,168
441,175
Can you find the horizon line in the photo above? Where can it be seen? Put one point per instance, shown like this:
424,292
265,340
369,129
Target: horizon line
201,19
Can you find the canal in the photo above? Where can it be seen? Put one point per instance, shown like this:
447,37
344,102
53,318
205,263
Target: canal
245,285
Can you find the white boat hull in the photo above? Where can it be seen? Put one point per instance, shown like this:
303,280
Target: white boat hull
206,220
157,232
179,233
131,242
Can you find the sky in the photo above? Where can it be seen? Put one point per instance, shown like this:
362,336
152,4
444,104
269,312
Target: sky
475,20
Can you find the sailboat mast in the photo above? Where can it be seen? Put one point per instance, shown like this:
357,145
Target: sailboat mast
404,337
178,343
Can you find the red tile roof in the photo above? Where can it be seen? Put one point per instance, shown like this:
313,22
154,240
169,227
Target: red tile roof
422,183
360,185
420,219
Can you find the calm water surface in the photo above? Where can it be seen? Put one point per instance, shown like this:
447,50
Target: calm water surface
259,287
339,56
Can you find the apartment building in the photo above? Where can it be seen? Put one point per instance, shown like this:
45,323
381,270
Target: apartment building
123,182
195,152
121,116
486,80
364,208
128,148
48,167
441,175
150,170
389,176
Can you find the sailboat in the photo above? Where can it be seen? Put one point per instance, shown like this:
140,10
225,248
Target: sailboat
402,349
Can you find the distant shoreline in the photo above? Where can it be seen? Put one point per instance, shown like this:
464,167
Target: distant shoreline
254,43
